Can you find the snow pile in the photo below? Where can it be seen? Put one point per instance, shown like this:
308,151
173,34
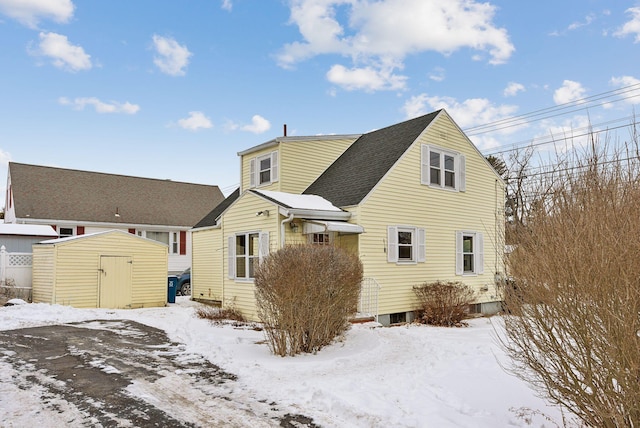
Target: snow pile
409,376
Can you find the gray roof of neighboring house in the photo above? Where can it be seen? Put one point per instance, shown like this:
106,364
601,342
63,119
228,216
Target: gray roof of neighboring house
42,192
210,219
356,172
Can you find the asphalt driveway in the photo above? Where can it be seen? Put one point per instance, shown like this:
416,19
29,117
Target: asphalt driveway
126,374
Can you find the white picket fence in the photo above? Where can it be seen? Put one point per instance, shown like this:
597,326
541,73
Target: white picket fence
15,274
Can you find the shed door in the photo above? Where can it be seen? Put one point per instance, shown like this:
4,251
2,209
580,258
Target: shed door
115,282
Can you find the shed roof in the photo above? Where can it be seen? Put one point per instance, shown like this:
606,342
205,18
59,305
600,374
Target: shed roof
356,172
75,238
42,192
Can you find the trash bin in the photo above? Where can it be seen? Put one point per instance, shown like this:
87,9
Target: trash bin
171,292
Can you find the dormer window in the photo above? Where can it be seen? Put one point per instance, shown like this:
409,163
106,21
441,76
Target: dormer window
443,168
264,169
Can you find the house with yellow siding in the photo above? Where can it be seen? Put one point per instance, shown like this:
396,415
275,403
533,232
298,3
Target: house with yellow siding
416,201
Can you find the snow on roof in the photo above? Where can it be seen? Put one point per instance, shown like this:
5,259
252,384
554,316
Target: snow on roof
27,229
300,202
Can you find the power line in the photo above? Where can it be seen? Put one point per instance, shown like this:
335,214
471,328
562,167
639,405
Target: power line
526,118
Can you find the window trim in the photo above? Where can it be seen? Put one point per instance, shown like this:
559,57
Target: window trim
263,251
326,235
255,171
418,244
478,253
459,168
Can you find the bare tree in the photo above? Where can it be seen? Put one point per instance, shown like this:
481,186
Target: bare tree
574,326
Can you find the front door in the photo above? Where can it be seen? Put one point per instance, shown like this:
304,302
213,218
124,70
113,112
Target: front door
115,282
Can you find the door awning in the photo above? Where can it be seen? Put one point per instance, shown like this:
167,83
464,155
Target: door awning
323,226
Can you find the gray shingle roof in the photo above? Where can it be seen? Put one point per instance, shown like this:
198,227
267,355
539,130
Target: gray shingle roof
42,192
355,173
210,219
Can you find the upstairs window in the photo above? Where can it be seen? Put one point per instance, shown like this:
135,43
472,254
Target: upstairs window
264,169
442,168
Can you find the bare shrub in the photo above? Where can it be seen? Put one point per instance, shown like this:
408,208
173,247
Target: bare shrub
443,303
574,328
305,295
219,314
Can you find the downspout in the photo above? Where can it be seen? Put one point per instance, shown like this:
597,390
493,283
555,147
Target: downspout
286,220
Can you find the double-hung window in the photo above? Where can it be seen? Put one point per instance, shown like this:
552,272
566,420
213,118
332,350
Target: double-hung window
320,238
469,253
442,168
245,251
264,169
406,244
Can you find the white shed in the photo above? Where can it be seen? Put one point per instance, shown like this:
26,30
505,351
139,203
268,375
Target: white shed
112,269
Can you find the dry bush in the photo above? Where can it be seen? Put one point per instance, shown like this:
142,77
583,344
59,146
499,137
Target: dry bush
220,314
574,328
305,295
443,303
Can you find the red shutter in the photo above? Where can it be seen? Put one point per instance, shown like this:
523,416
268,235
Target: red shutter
183,242
79,230
132,231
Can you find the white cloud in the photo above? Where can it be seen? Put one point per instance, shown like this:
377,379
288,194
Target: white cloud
632,26
569,92
100,106
624,81
379,34
258,125
513,88
30,12
438,74
172,57
567,134
63,54
587,21
367,78
470,112
227,5
196,120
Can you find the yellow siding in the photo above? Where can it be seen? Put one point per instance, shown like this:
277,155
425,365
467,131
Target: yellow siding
241,218
302,162
206,267
43,274
77,264
441,213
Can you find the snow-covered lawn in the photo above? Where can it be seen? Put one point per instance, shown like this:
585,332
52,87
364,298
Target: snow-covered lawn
408,376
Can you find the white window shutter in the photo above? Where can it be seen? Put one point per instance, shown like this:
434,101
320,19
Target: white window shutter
392,244
231,256
424,164
459,262
263,246
253,173
422,245
274,167
462,174
479,253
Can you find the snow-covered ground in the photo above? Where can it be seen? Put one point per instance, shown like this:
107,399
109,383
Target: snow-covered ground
408,376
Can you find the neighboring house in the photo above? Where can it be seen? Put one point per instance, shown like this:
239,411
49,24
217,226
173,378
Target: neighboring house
416,201
18,238
77,202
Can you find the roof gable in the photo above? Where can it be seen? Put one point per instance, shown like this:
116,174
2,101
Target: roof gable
356,172
211,219
41,192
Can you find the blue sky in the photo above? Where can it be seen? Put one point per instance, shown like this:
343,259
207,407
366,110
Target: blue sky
173,90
